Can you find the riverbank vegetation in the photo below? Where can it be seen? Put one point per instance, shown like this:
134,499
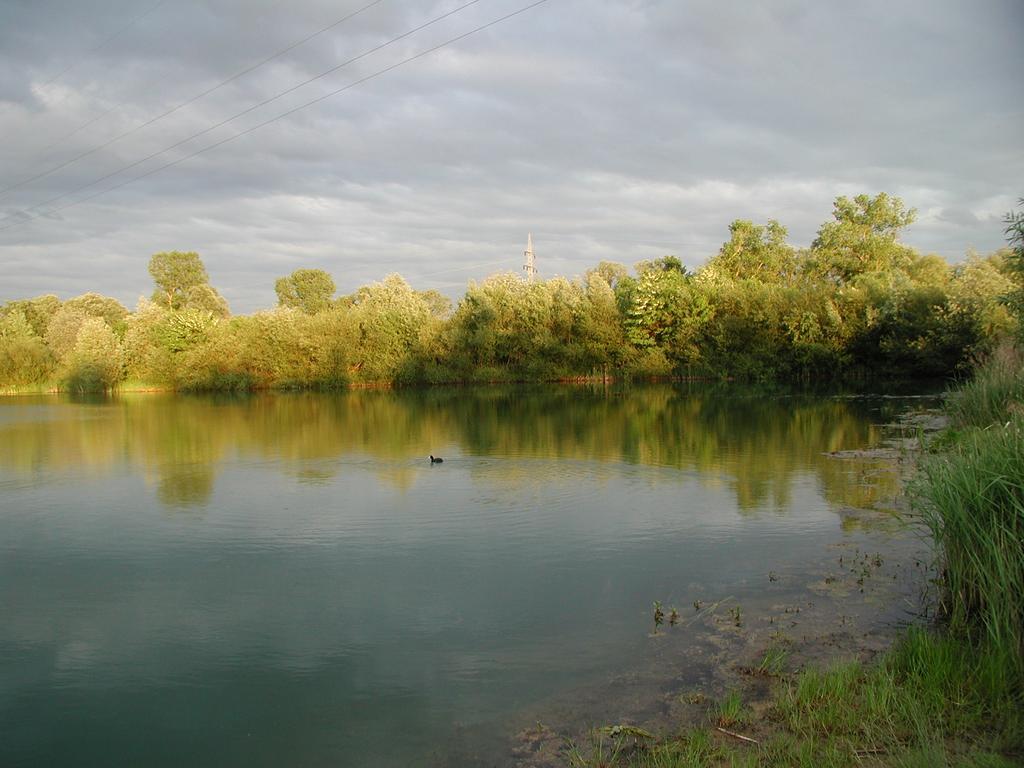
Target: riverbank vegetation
856,302
947,694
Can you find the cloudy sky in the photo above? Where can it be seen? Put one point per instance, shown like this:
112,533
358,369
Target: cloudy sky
611,129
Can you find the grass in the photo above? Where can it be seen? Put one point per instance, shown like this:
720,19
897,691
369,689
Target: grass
773,663
27,389
973,500
55,387
927,703
994,394
946,695
730,712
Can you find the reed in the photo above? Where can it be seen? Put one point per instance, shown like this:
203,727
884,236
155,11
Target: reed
994,394
973,501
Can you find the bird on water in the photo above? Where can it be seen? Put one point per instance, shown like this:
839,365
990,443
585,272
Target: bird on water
436,460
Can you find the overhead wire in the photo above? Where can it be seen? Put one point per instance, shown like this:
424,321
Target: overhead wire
252,108
181,105
102,44
22,218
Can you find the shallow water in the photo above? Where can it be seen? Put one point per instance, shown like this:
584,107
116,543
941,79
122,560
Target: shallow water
287,580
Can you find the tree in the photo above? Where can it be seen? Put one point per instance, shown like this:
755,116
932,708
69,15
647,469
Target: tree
612,272
147,357
174,273
62,330
439,304
977,291
307,289
668,311
601,330
38,311
664,264
97,360
1014,231
756,253
204,298
387,319
63,327
23,356
103,307
863,237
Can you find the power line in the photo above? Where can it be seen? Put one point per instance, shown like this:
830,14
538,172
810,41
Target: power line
103,43
183,104
292,111
246,111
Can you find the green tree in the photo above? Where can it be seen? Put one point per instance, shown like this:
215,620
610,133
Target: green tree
63,327
181,282
24,358
439,304
602,332
94,305
97,362
663,264
756,253
307,289
977,291
147,357
1014,231
863,237
611,272
204,298
668,311
38,311
387,321
62,330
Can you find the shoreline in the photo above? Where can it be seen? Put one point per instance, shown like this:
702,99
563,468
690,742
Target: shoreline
945,689
852,608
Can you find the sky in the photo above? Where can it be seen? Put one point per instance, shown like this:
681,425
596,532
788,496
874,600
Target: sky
614,130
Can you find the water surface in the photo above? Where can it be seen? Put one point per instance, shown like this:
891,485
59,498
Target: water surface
285,579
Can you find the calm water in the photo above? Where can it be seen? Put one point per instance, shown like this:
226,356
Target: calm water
286,580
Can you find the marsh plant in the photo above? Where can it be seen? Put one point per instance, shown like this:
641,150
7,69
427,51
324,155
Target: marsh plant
730,711
659,614
773,663
972,498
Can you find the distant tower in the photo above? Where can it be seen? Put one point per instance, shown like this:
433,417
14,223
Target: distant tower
531,261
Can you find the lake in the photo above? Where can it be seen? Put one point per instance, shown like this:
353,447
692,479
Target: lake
286,579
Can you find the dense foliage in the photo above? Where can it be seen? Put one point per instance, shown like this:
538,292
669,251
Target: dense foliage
856,302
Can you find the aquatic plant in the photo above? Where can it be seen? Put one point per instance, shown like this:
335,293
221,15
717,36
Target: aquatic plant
973,502
774,661
995,392
659,614
730,711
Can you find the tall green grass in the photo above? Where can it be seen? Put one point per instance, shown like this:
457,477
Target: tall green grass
974,506
972,498
994,394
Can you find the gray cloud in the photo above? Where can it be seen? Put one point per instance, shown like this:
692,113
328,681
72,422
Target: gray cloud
615,130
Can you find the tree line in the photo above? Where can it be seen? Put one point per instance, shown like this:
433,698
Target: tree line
856,302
